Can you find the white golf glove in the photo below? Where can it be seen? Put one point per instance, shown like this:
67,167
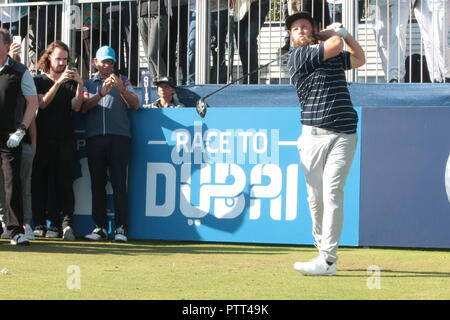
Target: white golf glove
15,138
339,29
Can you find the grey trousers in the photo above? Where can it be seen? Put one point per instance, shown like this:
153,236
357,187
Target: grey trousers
326,158
153,30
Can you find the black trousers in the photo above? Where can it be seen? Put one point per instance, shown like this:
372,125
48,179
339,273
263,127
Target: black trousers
178,32
52,183
109,154
125,38
247,35
10,163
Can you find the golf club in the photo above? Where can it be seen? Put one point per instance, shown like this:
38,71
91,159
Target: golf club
201,104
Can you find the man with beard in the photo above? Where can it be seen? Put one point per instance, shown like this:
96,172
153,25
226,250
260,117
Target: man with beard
60,91
108,139
328,141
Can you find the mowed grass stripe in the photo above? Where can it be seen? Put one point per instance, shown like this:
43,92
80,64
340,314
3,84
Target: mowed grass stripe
185,270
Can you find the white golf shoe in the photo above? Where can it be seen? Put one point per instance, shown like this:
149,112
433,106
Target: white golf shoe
316,267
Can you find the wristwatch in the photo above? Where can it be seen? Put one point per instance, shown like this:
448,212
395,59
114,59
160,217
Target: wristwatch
22,127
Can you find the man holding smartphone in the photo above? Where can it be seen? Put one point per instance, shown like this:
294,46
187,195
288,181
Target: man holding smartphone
26,165
108,96
18,104
60,91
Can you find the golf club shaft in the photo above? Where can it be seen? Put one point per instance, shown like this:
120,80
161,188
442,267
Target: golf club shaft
245,75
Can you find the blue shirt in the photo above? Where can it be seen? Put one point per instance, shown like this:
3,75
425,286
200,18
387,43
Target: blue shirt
110,115
322,88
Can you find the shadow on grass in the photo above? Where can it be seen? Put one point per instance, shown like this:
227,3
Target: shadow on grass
396,274
158,247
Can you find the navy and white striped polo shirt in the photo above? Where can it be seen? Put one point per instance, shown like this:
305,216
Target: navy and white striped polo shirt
322,88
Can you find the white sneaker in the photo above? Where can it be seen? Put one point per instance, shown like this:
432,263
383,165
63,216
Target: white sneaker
19,240
29,232
68,234
39,231
120,235
316,267
97,235
52,233
4,234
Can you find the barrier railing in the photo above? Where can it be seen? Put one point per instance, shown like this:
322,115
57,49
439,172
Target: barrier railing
218,41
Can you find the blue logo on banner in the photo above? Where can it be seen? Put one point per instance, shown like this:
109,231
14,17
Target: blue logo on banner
225,179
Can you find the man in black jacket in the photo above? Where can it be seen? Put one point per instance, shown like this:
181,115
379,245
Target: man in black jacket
17,92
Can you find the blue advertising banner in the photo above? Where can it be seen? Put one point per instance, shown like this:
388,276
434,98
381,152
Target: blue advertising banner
405,177
233,176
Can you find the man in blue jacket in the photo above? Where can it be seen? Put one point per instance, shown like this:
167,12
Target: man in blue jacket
108,97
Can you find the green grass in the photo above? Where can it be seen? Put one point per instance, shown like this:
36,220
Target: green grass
185,270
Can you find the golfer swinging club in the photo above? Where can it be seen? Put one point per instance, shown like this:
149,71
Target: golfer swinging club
328,141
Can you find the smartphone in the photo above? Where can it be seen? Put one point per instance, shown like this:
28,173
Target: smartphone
17,39
72,66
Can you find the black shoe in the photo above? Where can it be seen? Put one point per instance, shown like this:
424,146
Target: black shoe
393,81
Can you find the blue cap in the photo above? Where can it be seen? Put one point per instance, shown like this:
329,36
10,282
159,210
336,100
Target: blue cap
105,53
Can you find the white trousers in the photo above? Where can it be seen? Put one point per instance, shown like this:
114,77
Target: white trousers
326,158
390,22
433,17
